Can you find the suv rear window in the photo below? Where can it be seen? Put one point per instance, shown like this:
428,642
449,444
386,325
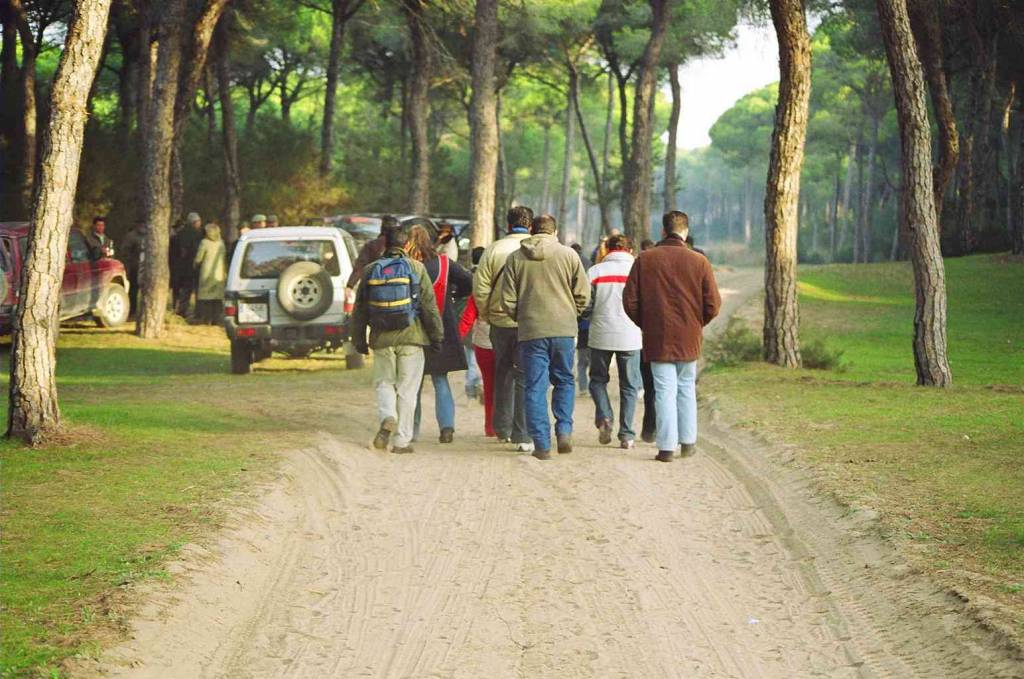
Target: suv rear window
267,259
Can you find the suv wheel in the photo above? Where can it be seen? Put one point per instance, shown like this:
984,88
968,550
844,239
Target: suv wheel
113,308
305,291
241,357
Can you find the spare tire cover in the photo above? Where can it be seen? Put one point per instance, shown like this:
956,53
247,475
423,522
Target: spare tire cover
305,291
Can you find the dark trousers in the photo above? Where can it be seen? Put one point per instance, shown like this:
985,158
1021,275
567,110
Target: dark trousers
509,411
650,426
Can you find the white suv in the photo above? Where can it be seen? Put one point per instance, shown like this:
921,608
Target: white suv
286,292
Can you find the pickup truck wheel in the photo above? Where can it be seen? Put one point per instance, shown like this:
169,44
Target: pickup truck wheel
241,357
113,308
305,291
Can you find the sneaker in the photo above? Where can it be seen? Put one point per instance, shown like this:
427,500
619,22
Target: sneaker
604,428
664,456
564,444
687,449
542,454
402,450
648,436
524,447
387,428
447,435
627,444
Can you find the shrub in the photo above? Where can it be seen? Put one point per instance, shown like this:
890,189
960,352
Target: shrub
738,344
819,356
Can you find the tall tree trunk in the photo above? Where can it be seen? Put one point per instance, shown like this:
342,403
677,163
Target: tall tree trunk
229,136
782,193
622,82
924,17
419,107
201,33
483,123
33,410
670,147
1018,231
501,181
340,14
606,147
636,207
918,211
834,222
602,199
545,190
864,217
567,160
844,211
28,103
975,130
10,116
156,164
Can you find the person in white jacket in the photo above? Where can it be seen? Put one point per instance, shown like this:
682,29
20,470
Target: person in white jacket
613,334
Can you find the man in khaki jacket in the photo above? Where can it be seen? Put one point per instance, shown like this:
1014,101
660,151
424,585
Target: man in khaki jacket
545,289
509,415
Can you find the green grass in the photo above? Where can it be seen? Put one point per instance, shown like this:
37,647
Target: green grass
942,466
159,434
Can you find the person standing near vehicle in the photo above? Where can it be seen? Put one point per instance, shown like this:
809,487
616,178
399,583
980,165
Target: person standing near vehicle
451,282
273,222
396,303
509,411
370,252
211,270
613,334
545,290
258,221
184,246
133,254
671,294
97,240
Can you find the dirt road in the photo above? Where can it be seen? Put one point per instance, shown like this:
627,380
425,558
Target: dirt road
473,561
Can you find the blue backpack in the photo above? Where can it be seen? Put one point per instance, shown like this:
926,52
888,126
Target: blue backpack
392,290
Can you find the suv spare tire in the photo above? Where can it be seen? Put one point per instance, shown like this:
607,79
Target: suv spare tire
305,291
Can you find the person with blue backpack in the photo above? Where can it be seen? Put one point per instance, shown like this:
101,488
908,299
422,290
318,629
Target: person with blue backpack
396,303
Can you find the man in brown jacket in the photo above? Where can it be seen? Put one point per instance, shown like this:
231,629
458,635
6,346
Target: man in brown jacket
671,294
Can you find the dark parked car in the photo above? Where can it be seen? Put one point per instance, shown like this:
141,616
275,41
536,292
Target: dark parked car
91,287
364,227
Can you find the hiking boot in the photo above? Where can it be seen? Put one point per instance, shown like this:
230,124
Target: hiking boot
664,456
387,428
604,431
687,449
542,454
648,436
447,435
564,444
627,444
524,447
402,450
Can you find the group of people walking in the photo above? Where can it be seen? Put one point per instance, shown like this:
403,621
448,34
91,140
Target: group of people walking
525,301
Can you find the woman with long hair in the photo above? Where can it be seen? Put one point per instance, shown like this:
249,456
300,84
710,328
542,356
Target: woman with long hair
451,283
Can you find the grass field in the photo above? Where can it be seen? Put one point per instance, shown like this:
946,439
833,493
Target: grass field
160,435
943,467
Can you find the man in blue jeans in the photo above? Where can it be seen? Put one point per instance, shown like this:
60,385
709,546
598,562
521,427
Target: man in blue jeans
544,288
671,294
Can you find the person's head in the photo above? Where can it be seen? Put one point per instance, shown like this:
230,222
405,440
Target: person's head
212,231
646,244
577,247
193,220
387,222
519,219
258,221
395,237
272,221
676,222
476,254
544,225
445,229
99,224
619,243
244,228
420,246
614,232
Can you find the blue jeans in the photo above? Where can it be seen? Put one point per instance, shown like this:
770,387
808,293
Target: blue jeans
628,364
444,405
474,379
675,387
549,359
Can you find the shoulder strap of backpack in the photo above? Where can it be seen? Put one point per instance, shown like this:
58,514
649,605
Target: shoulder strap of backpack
441,284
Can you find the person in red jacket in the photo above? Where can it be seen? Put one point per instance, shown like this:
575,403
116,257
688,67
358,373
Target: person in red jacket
471,322
671,294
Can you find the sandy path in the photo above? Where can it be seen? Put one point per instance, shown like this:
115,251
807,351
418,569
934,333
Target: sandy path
473,561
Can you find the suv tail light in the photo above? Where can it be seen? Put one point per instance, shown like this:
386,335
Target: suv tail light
230,310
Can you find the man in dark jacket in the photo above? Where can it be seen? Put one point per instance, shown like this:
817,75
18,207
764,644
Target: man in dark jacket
184,245
371,252
671,294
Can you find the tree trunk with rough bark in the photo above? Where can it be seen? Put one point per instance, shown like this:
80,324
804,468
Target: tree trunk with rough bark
1018,232
341,12
27,143
156,164
483,122
419,107
567,160
864,216
602,198
636,207
673,131
545,191
229,136
33,410
782,194
918,211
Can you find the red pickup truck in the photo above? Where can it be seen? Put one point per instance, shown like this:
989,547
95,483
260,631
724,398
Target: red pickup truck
91,287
